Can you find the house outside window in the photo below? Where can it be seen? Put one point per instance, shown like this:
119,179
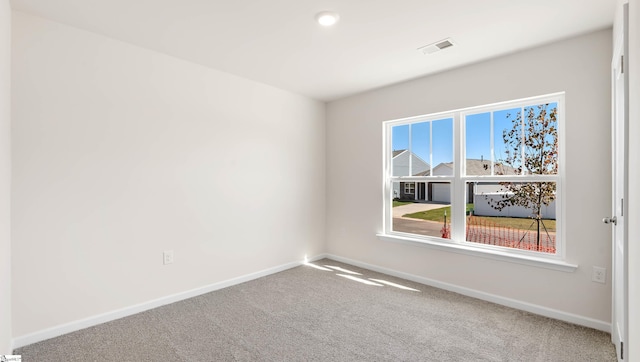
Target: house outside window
409,188
490,176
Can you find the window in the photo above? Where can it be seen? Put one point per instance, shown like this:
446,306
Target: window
487,178
409,188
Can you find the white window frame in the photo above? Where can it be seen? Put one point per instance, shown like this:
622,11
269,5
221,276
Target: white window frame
459,180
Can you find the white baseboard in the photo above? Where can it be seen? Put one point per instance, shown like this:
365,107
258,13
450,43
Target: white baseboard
508,302
59,330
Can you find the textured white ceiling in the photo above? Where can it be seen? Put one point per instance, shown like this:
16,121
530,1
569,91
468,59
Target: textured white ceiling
278,42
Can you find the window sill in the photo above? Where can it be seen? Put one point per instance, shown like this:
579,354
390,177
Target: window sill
483,253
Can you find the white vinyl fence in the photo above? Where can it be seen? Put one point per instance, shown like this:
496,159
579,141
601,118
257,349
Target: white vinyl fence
482,207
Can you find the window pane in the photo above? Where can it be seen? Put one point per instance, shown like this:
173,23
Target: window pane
442,152
400,150
541,139
420,148
426,211
478,144
507,141
512,215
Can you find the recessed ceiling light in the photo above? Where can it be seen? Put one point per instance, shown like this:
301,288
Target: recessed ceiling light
327,18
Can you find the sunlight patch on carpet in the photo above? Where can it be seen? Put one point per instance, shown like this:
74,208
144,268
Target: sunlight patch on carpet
394,285
343,270
360,280
318,267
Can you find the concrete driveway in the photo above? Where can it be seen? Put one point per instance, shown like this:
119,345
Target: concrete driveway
399,211
416,226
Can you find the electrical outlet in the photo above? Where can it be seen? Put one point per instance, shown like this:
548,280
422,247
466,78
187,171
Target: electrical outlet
167,256
599,275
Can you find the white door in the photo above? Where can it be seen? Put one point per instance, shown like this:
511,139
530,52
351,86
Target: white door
617,220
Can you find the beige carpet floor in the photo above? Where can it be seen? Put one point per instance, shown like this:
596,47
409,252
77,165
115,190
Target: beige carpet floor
327,313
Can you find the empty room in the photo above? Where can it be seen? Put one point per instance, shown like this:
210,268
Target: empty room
419,180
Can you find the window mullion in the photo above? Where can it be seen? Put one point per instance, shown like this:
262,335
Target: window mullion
410,152
457,185
430,148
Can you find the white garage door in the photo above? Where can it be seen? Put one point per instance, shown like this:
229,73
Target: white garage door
441,193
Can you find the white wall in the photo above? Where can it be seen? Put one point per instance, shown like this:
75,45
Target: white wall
579,66
633,219
120,153
5,178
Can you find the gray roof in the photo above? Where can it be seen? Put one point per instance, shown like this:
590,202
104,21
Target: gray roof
397,152
483,168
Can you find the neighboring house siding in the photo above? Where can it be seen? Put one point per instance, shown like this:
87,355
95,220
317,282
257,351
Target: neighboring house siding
420,191
400,164
404,195
418,165
396,191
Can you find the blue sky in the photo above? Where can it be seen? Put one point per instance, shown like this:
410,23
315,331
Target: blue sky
478,136
420,140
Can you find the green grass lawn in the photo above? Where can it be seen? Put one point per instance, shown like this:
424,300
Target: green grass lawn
514,222
435,214
400,203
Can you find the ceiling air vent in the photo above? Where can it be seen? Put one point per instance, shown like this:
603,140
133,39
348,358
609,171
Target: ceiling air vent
437,46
